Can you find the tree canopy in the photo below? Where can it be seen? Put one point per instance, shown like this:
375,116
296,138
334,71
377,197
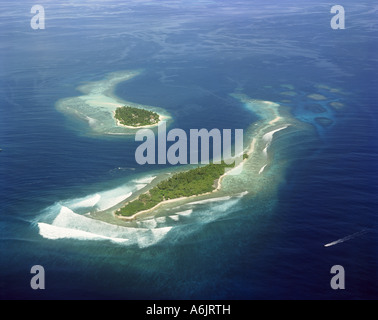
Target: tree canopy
135,117
197,181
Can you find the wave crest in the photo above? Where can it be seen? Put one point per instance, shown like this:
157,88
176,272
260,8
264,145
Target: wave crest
70,225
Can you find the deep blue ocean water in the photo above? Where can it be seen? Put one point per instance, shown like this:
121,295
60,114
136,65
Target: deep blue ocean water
194,54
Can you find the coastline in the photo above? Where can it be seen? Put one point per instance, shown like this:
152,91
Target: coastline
218,188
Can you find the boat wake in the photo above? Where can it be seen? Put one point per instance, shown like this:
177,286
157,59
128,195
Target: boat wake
350,237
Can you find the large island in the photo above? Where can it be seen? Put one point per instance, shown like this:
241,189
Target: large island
195,182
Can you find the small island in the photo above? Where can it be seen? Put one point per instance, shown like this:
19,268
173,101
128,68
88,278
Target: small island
135,117
195,182
98,103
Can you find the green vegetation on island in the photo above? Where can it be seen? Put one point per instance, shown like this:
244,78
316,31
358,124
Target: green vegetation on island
135,117
197,181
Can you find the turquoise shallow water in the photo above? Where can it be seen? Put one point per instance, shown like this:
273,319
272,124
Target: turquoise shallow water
270,245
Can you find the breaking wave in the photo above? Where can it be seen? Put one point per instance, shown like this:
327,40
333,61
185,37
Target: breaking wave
63,222
87,202
54,233
106,200
70,225
145,180
268,138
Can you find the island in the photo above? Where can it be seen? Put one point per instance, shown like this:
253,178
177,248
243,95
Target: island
135,117
107,114
195,182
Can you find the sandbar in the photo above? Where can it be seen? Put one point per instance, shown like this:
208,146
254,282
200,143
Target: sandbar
97,105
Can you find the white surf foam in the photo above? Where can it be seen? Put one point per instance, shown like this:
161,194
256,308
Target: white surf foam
69,219
211,200
216,211
102,200
71,225
87,202
262,169
242,194
91,121
175,217
153,236
265,151
107,203
161,220
268,137
146,180
54,233
185,213
148,224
